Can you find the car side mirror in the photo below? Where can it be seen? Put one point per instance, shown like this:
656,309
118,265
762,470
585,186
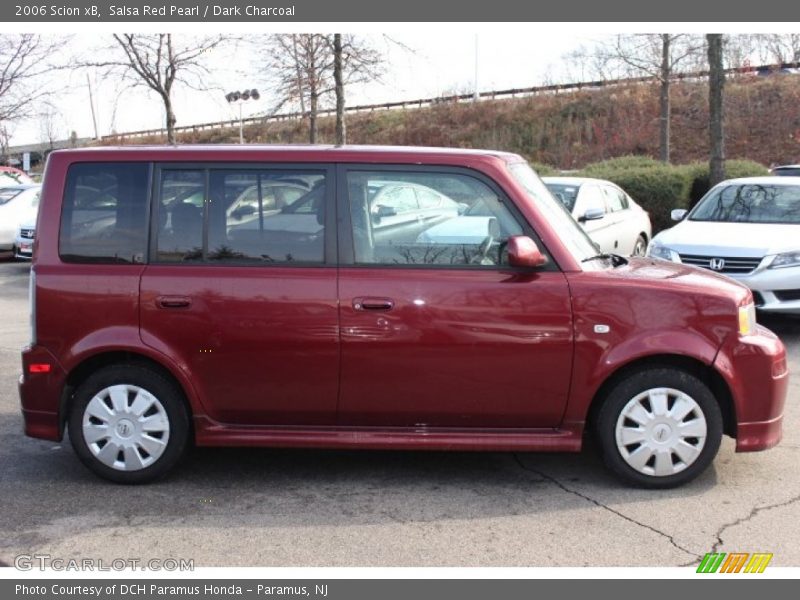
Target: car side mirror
523,252
462,208
592,214
381,210
678,214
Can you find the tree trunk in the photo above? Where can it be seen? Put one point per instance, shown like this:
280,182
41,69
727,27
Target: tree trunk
171,120
716,83
341,127
313,101
664,103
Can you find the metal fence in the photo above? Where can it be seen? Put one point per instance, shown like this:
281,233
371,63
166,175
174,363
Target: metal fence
792,68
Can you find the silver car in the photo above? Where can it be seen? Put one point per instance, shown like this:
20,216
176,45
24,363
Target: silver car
748,229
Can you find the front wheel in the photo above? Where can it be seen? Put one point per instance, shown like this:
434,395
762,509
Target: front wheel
659,428
128,424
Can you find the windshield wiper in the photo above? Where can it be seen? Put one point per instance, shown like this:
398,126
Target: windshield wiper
615,259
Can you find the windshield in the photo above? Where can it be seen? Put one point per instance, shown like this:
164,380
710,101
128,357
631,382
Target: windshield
7,194
571,234
750,203
566,194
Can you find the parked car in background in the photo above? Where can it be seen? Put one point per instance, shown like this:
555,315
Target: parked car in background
610,216
13,176
748,229
18,203
786,170
23,244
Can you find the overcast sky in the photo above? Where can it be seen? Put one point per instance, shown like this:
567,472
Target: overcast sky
435,64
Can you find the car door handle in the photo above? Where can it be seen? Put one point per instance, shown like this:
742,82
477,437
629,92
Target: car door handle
173,302
373,304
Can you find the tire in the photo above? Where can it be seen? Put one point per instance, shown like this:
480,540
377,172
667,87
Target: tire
137,416
659,448
640,247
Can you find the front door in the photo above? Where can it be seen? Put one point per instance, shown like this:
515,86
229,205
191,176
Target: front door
437,329
241,292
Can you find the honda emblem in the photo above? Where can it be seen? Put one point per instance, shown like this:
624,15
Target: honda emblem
716,264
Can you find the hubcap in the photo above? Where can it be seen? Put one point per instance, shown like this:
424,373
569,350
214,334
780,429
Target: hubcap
125,427
640,248
661,432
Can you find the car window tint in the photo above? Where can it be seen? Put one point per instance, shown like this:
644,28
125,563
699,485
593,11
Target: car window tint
104,213
258,216
407,218
180,215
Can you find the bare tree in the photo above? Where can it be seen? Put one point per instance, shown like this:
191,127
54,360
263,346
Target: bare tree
159,62
656,55
779,48
50,126
716,84
24,59
303,65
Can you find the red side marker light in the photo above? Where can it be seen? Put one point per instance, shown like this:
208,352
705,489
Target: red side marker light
39,368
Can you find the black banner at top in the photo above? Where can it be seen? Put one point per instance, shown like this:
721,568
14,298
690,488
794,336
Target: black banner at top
287,11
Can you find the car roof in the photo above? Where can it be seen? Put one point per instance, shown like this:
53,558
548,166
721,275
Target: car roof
764,180
300,152
785,167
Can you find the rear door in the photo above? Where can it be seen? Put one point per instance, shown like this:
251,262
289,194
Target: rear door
241,292
439,331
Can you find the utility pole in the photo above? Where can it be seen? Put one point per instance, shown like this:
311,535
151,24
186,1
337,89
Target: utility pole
91,105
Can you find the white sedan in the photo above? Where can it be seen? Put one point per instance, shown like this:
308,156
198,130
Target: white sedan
611,218
748,229
18,203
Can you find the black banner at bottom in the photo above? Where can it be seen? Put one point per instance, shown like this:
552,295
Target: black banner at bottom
389,589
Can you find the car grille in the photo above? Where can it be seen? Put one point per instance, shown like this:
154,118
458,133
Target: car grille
736,265
787,295
26,233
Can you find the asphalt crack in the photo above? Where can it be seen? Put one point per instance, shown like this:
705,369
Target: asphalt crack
755,511
556,482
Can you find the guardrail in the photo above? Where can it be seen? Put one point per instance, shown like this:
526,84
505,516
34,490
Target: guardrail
452,99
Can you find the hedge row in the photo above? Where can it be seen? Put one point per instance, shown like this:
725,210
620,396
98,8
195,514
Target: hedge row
659,187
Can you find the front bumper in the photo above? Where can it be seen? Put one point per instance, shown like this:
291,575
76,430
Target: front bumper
756,372
775,290
40,395
24,248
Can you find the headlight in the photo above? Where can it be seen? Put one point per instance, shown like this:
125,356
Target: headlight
747,319
787,259
662,252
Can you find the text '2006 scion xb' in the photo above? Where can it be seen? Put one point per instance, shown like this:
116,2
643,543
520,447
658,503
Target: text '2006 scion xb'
370,297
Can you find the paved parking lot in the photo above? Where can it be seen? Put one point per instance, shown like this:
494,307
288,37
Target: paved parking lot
256,507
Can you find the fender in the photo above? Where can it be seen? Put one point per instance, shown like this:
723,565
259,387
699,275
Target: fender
596,362
128,339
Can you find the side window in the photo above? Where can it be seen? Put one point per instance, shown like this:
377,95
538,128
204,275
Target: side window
616,199
431,229
104,213
180,215
592,197
242,216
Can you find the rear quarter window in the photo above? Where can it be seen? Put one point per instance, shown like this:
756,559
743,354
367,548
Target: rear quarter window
104,213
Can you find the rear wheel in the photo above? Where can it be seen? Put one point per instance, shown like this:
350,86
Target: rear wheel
659,428
128,424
